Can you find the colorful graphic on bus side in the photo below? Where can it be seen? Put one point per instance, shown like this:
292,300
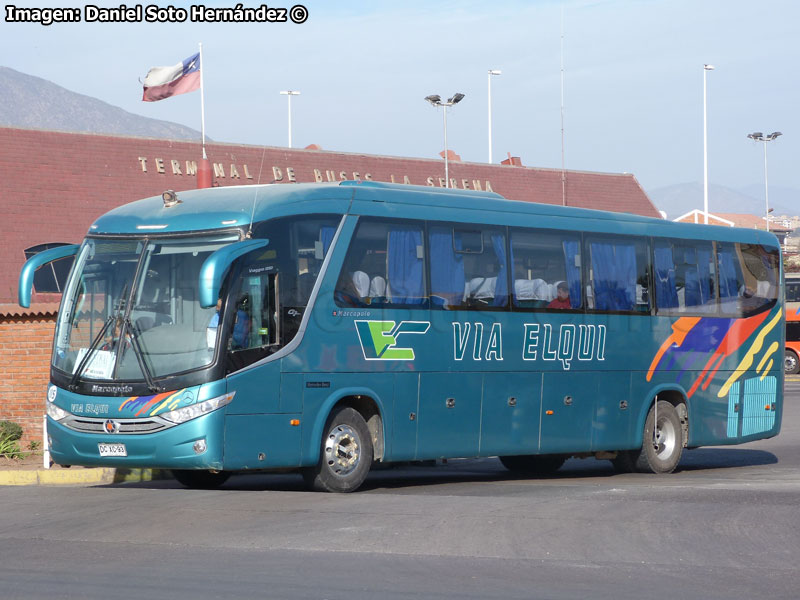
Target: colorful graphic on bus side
378,339
693,338
165,401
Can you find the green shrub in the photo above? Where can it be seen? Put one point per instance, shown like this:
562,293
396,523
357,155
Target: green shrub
10,431
10,448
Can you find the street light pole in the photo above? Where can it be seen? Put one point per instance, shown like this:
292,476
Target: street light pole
289,94
446,157
757,136
436,100
706,69
491,72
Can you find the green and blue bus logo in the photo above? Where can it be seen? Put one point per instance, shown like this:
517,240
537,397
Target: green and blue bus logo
379,338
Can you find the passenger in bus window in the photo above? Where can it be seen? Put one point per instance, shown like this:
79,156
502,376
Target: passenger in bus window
241,326
346,293
213,324
561,301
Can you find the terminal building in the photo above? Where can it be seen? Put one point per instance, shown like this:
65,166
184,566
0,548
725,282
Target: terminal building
55,184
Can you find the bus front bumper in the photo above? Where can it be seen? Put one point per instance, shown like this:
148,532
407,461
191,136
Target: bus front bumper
196,444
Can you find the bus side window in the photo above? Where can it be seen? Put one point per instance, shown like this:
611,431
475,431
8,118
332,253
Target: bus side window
748,278
684,277
619,274
761,269
613,274
384,266
792,290
542,261
468,266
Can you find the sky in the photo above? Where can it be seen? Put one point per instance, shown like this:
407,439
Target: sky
632,80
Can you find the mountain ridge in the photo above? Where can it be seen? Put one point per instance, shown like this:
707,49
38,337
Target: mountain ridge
30,102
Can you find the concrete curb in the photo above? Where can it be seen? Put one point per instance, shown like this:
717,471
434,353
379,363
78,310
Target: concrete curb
81,476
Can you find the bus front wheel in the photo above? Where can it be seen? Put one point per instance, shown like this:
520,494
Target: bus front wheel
200,480
345,454
791,365
662,443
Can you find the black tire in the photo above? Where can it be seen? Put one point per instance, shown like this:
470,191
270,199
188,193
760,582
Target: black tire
659,454
345,454
791,365
200,480
538,464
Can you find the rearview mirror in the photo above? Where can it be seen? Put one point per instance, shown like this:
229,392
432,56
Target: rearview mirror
36,261
216,266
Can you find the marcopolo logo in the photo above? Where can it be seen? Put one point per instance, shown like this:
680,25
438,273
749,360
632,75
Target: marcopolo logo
379,338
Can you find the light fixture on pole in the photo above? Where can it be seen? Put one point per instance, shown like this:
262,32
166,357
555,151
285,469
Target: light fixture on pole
757,136
436,100
491,72
289,94
706,69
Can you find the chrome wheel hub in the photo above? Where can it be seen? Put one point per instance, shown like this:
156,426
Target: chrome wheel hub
342,450
665,439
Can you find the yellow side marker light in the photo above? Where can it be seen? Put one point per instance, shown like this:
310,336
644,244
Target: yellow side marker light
294,422
548,412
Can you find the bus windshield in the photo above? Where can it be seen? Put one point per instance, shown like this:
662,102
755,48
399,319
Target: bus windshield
131,310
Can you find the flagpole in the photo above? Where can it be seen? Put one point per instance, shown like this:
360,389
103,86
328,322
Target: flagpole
202,102
204,179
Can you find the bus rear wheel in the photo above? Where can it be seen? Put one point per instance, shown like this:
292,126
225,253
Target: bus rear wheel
791,365
537,464
662,443
200,480
345,454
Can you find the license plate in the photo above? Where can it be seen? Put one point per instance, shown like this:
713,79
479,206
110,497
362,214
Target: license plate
112,450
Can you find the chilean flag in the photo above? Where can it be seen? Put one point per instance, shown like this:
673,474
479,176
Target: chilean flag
163,82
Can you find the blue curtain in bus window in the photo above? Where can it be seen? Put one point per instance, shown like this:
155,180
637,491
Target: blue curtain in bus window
326,237
686,261
728,280
666,294
501,287
447,268
704,274
405,267
692,287
614,269
571,249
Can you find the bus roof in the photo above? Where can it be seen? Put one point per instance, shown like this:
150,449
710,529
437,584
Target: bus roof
236,206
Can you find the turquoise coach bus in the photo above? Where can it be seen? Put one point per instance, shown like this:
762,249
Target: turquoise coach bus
329,327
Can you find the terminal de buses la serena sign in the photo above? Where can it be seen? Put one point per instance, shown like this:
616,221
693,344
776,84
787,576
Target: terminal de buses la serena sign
287,174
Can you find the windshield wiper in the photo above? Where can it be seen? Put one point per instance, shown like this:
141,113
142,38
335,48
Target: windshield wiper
92,347
137,350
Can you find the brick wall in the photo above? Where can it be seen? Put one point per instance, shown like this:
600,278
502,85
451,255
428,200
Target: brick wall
25,347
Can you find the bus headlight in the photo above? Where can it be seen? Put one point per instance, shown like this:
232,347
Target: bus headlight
56,413
53,411
187,413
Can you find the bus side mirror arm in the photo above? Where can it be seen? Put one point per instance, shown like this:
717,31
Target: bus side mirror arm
216,266
36,261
